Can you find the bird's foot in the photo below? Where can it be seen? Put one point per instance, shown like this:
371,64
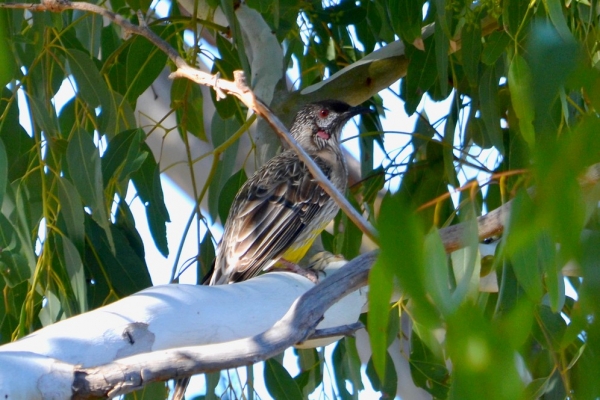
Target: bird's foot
293,267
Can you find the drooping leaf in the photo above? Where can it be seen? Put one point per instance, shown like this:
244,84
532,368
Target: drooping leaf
3,170
7,62
109,276
471,51
488,97
71,212
442,46
420,76
145,62
495,45
406,17
346,365
186,99
478,352
311,370
279,382
13,266
428,371
206,257
123,156
92,87
519,82
386,383
85,170
147,184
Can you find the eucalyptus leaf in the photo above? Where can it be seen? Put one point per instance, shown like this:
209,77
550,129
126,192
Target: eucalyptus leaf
92,87
279,382
85,170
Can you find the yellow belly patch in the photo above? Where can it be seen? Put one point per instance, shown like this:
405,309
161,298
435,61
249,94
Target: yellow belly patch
297,250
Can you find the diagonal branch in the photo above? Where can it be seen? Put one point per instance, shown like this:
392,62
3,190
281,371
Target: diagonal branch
238,89
131,373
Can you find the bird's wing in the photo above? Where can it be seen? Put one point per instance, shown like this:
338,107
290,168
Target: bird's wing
269,213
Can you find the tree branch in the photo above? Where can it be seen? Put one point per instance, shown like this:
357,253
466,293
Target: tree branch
238,88
131,373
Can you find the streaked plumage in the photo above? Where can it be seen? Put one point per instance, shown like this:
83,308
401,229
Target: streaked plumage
281,209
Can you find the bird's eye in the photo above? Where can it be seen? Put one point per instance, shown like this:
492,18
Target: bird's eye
324,113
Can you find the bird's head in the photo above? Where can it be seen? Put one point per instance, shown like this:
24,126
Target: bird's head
318,125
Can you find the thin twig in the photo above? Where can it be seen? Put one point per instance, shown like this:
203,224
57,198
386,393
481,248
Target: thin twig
344,330
238,88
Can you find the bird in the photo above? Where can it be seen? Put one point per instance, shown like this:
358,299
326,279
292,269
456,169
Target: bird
279,212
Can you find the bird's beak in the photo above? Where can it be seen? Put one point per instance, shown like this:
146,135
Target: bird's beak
358,110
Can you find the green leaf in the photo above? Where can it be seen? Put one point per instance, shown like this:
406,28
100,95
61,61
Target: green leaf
557,16
142,5
280,384
448,146
550,329
554,279
488,98
420,75
3,170
346,367
378,318
442,47
436,269
311,367
397,223
90,84
88,30
147,184
519,82
228,192
537,387
109,276
427,370
495,45
75,272
348,238
225,65
155,390
236,34
483,362
206,257
18,144
513,16
13,266
144,63
45,119
186,100
471,51
552,58
8,66
525,265
389,384
406,17
466,262
123,156
443,17
222,130
71,210
85,170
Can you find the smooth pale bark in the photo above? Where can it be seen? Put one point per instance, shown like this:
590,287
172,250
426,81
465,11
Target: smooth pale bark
155,320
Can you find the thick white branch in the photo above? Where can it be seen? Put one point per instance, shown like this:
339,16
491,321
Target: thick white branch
142,338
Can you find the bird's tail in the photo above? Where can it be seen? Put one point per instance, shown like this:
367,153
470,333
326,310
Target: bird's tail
180,387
